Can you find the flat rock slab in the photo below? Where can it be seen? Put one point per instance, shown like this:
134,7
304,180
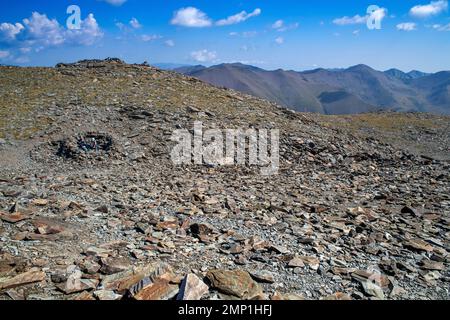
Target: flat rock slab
419,245
161,289
22,279
263,276
124,281
277,296
13,217
235,283
78,285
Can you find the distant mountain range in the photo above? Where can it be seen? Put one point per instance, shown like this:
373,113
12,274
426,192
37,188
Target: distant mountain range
357,89
169,66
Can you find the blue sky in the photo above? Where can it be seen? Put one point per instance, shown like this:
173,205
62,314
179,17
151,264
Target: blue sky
289,34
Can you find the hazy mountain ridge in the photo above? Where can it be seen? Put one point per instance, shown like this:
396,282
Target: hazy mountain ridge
414,74
339,91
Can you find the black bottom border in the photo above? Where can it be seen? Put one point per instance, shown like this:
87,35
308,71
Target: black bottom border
197,310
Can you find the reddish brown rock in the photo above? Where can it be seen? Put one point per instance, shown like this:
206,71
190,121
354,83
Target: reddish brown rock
13,217
192,288
48,227
22,279
40,202
160,289
236,283
286,296
114,265
123,281
419,245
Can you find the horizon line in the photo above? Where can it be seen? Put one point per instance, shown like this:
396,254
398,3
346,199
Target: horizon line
156,64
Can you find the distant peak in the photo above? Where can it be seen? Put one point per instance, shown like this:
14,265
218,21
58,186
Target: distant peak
360,67
234,64
392,70
239,65
314,70
417,74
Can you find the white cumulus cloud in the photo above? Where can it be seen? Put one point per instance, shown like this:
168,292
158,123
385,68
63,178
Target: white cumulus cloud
116,3
134,23
39,32
43,31
204,55
378,14
191,17
89,33
9,31
238,18
428,10
278,24
350,20
407,26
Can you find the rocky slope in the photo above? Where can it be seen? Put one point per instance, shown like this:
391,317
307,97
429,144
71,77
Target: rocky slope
349,216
